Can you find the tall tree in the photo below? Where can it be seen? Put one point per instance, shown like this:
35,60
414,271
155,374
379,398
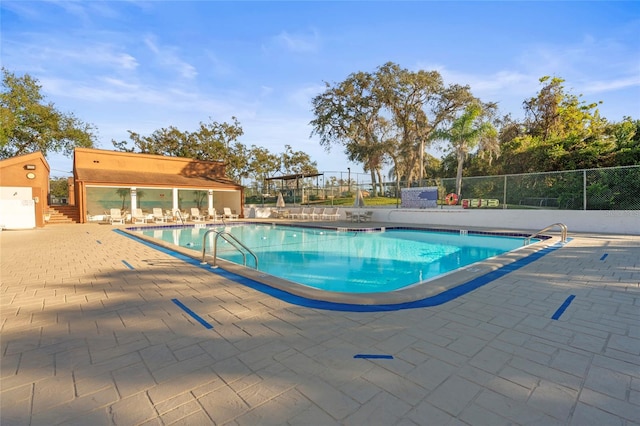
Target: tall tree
59,187
28,123
418,102
294,162
347,114
626,136
465,134
560,132
357,114
263,165
554,113
297,162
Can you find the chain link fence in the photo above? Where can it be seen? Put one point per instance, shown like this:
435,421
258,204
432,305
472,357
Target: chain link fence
612,188
615,188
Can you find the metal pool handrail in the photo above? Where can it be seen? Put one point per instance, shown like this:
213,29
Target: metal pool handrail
178,214
563,232
231,239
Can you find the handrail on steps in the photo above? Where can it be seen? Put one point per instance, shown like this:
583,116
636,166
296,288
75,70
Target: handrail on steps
231,239
563,232
178,214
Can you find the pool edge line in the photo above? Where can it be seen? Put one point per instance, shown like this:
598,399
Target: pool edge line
435,300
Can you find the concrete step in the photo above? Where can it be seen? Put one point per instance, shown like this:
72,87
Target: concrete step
63,214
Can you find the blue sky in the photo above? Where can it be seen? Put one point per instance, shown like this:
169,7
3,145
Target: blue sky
141,66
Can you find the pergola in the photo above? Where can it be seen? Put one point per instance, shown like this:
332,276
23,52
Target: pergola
296,177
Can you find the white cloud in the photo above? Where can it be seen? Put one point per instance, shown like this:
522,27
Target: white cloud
168,56
217,65
150,42
610,85
493,87
27,10
68,54
297,43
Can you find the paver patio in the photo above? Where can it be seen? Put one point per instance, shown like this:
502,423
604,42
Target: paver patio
90,336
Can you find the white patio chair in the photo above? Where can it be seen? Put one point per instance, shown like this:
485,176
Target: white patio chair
316,213
228,214
115,216
158,216
306,213
138,217
366,216
196,216
212,214
330,214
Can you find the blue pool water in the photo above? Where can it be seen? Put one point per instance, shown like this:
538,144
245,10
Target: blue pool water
353,262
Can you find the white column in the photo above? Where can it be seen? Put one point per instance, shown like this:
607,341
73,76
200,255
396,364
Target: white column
134,199
175,200
210,199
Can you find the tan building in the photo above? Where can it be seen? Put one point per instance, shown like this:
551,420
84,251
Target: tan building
24,187
109,179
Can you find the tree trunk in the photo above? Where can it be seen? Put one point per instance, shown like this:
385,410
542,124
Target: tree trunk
459,174
380,182
373,182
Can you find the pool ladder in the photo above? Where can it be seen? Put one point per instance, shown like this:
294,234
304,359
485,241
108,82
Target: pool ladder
178,215
231,239
563,233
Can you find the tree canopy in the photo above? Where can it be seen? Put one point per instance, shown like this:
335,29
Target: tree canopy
562,132
391,116
464,134
215,141
30,124
386,116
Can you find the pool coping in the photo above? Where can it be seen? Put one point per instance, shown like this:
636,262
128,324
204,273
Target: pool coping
426,293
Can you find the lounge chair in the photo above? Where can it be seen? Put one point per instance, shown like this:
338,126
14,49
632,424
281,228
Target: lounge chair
316,213
283,213
366,216
138,217
115,216
212,214
295,213
306,213
228,214
354,216
158,216
196,216
330,214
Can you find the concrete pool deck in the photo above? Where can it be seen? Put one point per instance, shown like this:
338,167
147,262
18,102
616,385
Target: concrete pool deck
91,334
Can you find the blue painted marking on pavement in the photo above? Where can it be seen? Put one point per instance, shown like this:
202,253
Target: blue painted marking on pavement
127,264
193,314
604,256
373,356
562,308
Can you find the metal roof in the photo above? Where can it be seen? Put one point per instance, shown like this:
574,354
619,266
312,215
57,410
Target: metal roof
295,176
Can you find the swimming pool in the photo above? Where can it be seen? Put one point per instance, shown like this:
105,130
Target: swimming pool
348,261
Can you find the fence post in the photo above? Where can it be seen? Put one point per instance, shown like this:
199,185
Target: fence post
504,195
584,190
